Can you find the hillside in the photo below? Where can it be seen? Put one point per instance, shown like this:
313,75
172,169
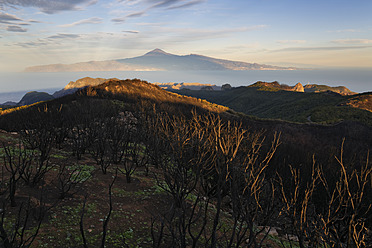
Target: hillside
316,88
271,101
190,86
126,90
128,164
309,103
33,97
308,88
157,60
29,98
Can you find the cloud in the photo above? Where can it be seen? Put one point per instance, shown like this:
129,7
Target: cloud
344,31
64,36
9,18
14,22
335,48
353,41
93,20
193,34
131,31
34,21
154,37
136,14
163,3
291,41
14,28
48,6
69,40
132,15
185,5
148,5
32,44
173,4
119,20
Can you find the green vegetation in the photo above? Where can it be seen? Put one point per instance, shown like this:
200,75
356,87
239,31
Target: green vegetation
126,164
34,97
273,103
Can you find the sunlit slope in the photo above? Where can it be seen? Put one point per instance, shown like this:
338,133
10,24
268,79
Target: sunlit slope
132,95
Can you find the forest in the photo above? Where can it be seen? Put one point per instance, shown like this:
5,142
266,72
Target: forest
127,164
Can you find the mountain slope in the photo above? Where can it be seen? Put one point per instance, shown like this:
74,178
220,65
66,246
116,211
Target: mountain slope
132,93
157,60
114,96
170,62
271,102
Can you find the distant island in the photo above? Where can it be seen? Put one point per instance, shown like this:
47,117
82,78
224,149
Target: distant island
158,60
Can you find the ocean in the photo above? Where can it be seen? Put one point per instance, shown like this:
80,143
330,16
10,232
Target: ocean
14,85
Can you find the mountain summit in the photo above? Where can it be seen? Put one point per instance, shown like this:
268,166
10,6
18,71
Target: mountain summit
157,52
158,60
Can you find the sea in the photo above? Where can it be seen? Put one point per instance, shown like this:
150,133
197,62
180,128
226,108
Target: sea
14,85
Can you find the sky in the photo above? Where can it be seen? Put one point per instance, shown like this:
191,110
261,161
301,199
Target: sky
303,33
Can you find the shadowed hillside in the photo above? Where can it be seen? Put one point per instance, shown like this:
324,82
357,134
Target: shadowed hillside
271,101
33,97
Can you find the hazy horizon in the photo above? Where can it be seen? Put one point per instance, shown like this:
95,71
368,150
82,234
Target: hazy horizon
357,80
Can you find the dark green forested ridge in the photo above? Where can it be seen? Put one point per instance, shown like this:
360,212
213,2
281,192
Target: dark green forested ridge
274,103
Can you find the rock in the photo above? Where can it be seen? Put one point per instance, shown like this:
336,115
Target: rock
207,88
226,87
290,237
270,230
298,88
87,81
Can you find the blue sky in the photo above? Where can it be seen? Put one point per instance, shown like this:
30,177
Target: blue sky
303,33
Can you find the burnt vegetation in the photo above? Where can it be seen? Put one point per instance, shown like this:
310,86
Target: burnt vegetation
126,164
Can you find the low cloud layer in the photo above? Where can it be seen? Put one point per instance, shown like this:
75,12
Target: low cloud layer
353,41
328,48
